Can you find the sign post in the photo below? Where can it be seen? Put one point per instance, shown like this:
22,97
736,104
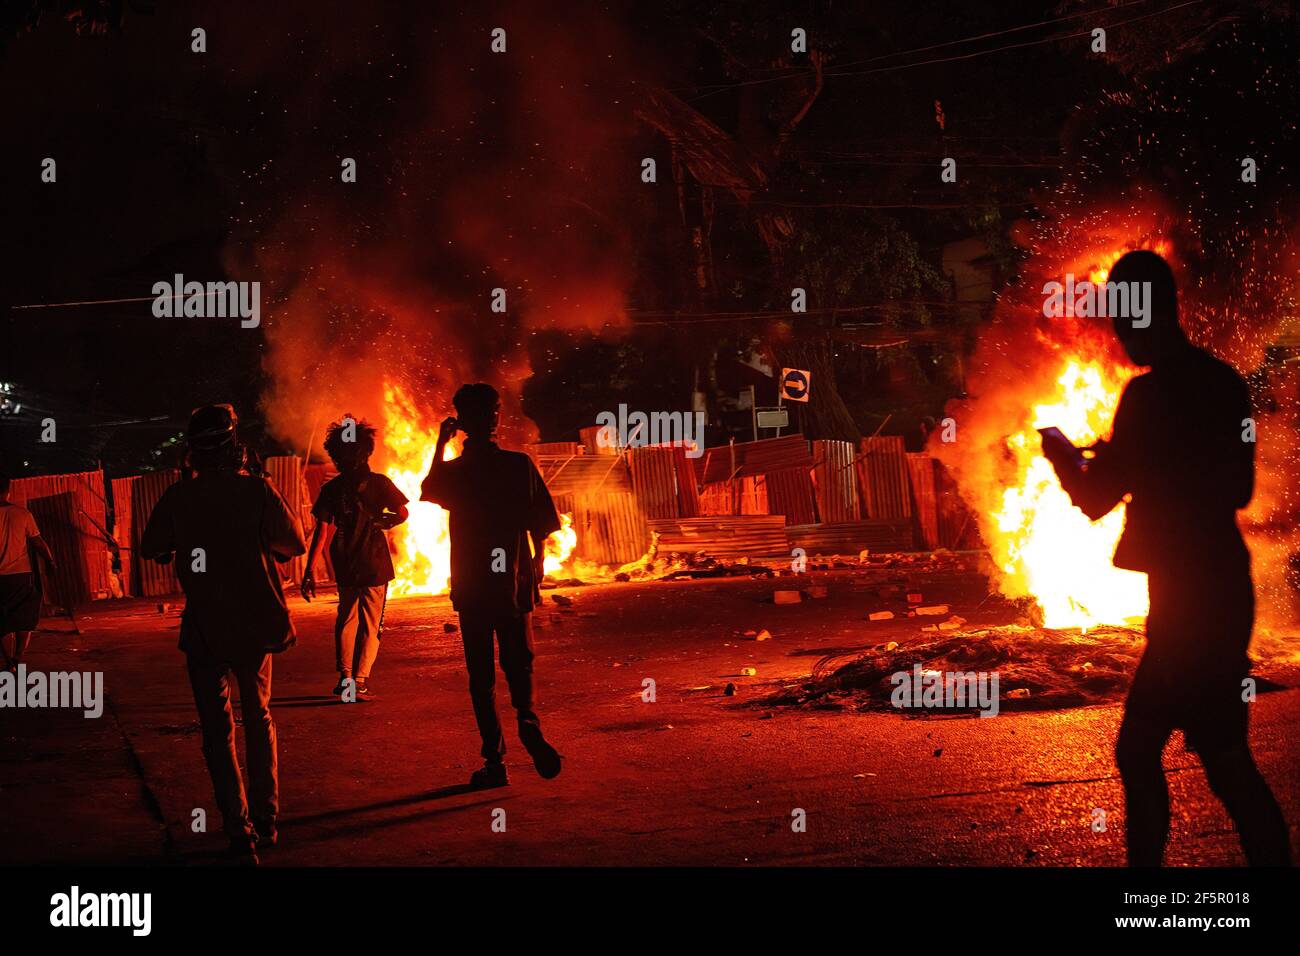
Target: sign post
796,383
753,410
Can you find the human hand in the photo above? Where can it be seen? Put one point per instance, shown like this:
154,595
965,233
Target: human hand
1058,450
447,430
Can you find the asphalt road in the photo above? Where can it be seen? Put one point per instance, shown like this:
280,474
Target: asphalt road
695,777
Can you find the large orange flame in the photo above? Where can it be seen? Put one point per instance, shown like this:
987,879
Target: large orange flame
422,546
1044,546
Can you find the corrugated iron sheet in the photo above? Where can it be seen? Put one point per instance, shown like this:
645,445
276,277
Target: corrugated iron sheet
610,526
591,474
835,481
942,518
688,489
555,449
654,480
123,521
718,498
72,514
724,536
771,476
743,459
135,497
925,496
883,478
958,529
790,493
316,475
589,443
287,475
752,495
851,537
744,496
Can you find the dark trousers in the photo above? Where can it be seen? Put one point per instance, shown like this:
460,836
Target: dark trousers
1190,678
210,681
514,634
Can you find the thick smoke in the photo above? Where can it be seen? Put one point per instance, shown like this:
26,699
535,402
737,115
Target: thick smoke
475,171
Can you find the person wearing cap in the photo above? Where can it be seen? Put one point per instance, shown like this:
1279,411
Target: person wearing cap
226,530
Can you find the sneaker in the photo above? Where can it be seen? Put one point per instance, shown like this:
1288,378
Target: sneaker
489,776
265,834
339,688
545,757
242,851
363,691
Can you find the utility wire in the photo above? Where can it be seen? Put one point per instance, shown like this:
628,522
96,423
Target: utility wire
844,71
138,298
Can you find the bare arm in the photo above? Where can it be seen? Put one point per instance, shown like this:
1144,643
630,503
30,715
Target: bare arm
431,489
543,519
1102,482
392,517
308,586
43,552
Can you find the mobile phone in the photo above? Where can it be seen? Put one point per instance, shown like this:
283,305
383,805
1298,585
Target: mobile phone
1059,436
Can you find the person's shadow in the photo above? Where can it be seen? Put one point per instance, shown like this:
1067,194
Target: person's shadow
441,793
318,700
293,822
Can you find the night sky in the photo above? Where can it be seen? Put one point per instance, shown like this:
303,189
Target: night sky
520,171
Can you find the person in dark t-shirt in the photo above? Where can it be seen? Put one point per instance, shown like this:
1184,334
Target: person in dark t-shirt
500,517
361,505
1182,450
228,529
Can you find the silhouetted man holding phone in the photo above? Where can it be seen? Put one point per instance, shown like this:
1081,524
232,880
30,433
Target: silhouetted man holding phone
498,503
1182,449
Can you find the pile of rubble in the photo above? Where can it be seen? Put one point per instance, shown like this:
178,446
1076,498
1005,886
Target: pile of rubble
1038,669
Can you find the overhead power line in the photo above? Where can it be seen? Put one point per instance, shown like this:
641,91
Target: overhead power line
845,70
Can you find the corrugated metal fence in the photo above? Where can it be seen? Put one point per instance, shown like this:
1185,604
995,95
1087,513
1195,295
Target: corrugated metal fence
883,478
134,499
723,536
287,474
610,526
836,481
72,515
830,498
663,480
942,518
